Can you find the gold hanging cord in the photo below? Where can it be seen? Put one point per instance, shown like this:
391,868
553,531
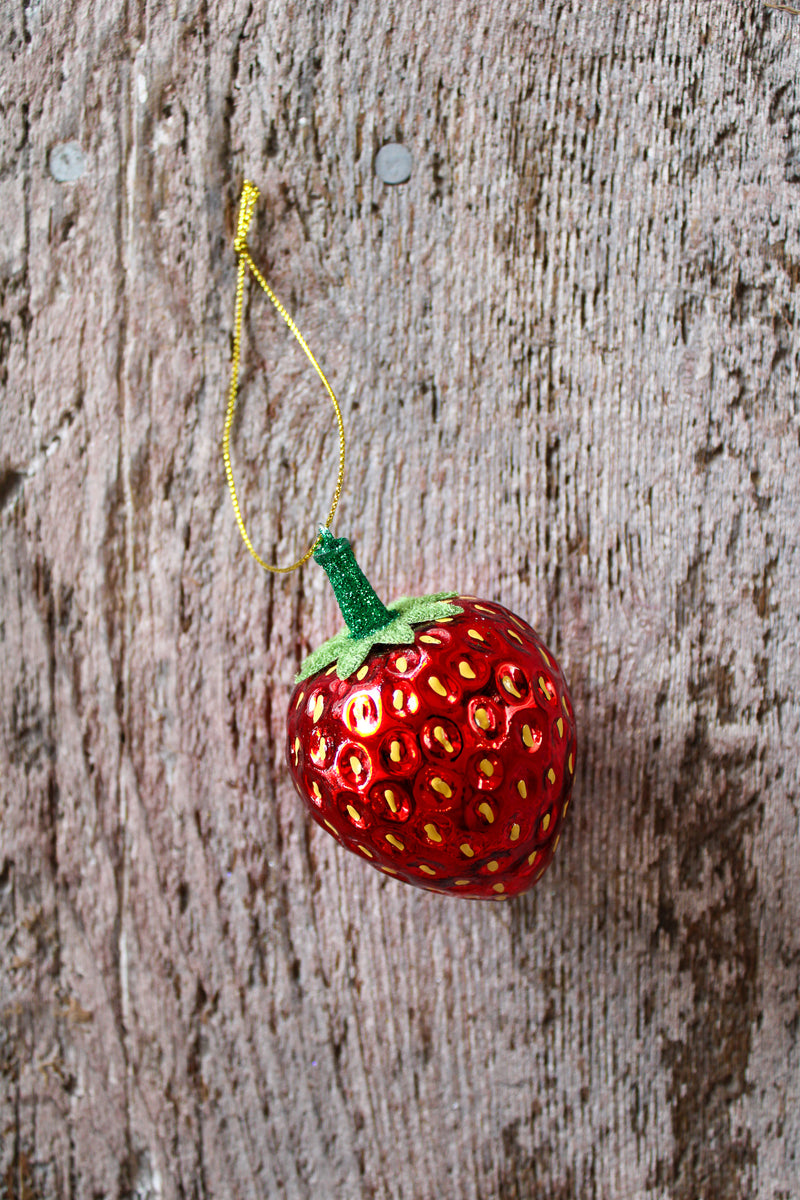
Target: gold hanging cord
246,207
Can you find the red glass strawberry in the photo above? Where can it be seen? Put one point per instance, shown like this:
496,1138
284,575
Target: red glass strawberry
435,738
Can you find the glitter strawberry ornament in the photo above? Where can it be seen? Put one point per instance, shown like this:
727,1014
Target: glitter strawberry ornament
435,737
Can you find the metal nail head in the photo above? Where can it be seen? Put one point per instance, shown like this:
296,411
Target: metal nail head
67,162
393,163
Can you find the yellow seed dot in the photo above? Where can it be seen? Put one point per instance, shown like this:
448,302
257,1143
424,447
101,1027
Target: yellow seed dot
555,843
426,869
545,822
391,799
508,684
486,811
499,887
571,763
389,870
318,707
513,633
522,788
433,833
430,641
364,850
332,828
514,835
353,813
493,866
486,767
413,703
296,748
466,671
300,699
364,671
527,736
473,633
441,787
467,850
564,809
483,608
394,751
330,670
317,793
543,685
355,765
482,718
547,662
437,685
443,739
393,841
461,882
397,699
560,727
551,775
402,664
532,858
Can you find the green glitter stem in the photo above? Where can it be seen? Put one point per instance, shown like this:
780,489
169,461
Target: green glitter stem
364,613
370,623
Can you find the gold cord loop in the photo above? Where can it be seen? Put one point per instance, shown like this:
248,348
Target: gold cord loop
246,207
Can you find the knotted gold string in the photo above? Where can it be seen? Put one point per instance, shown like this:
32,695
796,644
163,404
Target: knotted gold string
246,207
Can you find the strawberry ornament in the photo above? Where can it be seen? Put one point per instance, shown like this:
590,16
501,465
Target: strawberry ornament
435,737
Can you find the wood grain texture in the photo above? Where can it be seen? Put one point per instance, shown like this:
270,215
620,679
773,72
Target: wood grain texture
567,355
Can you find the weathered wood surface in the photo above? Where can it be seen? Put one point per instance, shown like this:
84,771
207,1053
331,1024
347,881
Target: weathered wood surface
568,360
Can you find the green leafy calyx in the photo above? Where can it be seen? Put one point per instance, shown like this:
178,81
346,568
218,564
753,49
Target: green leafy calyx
369,622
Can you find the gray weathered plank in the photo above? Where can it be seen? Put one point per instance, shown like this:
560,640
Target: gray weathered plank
567,356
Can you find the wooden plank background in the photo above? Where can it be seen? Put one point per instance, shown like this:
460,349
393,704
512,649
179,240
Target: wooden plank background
567,355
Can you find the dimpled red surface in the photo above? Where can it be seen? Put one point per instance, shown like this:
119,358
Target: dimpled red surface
447,764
